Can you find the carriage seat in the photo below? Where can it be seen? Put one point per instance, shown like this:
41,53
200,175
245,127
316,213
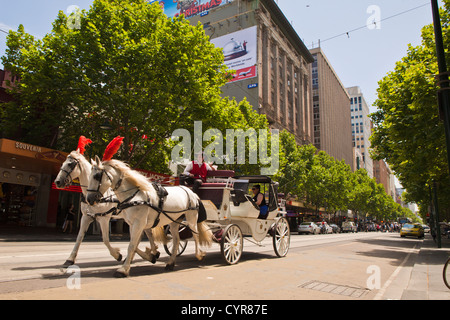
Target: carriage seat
212,192
221,174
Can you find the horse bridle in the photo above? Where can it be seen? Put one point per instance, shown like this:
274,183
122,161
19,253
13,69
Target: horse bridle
72,165
99,177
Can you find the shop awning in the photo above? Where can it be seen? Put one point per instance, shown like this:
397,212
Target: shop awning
26,157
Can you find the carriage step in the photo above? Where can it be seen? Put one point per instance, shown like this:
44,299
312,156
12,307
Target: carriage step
217,236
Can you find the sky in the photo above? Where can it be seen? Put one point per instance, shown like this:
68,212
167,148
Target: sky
360,59
365,56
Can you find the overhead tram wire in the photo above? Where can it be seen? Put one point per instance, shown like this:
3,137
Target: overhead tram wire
365,26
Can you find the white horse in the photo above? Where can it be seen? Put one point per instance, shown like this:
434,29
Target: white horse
140,202
76,166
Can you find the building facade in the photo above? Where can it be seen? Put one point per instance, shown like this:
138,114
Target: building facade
383,175
361,127
271,61
6,81
331,113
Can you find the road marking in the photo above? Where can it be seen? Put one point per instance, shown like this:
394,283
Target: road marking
382,291
84,253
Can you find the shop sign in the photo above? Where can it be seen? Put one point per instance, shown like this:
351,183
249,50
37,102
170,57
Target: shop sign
51,155
28,147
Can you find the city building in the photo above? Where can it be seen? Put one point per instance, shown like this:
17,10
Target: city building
361,127
383,175
6,80
270,60
331,112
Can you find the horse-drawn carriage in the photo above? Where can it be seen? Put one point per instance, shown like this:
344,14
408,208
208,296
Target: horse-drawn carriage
112,188
233,216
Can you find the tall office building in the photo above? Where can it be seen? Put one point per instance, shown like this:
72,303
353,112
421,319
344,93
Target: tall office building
270,59
331,110
361,127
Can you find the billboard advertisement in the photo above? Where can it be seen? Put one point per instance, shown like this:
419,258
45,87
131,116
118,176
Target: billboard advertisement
190,8
240,52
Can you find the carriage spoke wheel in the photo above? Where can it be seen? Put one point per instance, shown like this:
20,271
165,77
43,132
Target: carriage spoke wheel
281,237
446,273
168,247
232,244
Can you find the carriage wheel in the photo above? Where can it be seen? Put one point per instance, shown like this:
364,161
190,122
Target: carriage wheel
232,244
169,245
281,237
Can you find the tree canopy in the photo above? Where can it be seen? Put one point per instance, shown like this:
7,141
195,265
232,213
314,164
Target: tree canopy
124,66
321,182
408,133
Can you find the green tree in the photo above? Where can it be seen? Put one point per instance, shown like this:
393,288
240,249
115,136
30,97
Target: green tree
408,133
360,192
127,67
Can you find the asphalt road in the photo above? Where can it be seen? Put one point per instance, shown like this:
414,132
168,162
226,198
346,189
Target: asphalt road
360,266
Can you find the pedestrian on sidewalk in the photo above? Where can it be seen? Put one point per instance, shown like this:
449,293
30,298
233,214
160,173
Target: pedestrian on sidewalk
70,217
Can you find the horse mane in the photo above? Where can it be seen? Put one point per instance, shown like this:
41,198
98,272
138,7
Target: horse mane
130,175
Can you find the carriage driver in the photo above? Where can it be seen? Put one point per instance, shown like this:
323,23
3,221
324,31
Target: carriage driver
196,171
261,202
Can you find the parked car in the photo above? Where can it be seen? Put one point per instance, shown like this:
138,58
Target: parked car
324,228
336,228
349,226
413,230
426,228
308,228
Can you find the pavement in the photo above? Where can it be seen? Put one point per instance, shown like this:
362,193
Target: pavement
421,277
418,277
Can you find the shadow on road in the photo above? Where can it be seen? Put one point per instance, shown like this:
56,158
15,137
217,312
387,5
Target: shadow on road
141,267
393,249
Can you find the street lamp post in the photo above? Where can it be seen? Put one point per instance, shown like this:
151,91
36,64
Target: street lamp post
444,82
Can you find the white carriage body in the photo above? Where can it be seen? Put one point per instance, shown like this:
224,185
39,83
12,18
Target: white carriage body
233,216
224,211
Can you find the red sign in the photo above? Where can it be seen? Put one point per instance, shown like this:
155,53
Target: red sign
70,188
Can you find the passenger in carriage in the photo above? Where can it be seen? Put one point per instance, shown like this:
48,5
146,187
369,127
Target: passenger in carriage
196,173
260,200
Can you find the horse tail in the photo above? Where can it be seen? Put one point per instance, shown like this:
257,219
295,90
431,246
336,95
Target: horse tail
202,216
159,235
205,235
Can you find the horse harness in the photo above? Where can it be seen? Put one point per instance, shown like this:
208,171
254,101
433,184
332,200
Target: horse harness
162,196
128,203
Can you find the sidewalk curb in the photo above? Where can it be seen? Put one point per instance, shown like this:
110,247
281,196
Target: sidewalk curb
426,282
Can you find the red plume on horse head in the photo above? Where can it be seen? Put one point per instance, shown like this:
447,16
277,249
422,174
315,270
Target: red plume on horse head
82,143
112,148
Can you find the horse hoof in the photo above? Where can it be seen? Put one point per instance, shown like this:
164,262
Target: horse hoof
170,267
68,263
119,275
155,257
119,258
